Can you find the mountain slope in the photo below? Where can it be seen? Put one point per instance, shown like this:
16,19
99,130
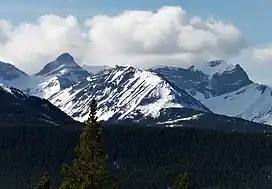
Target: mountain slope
46,88
252,102
124,93
18,108
207,80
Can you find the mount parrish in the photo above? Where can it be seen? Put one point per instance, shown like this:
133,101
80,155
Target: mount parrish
224,88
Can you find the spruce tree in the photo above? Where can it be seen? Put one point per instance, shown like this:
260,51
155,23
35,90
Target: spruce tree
182,181
89,169
45,182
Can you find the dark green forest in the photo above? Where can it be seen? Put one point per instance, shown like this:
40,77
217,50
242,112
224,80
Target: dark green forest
142,157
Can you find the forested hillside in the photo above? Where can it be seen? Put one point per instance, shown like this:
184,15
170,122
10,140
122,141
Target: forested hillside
142,157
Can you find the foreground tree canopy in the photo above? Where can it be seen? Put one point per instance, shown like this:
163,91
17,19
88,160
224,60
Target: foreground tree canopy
45,182
182,181
89,169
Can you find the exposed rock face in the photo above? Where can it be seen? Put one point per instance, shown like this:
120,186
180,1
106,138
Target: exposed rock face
208,80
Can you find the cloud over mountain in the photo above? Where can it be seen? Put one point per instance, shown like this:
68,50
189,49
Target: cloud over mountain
141,38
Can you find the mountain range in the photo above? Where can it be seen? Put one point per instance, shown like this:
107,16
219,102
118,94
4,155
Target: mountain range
167,96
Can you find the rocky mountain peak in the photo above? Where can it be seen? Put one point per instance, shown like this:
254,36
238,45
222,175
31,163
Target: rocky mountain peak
65,57
208,79
63,66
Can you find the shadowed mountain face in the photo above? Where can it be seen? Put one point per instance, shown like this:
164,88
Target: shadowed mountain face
224,88
64,66
18,108
208,80
9,72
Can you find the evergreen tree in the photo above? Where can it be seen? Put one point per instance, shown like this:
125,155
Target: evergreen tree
182,181
45,182
89,169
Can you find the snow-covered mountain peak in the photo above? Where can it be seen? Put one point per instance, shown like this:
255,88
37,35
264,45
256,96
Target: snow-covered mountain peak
64,66
66,58
58,75
214,67
124,92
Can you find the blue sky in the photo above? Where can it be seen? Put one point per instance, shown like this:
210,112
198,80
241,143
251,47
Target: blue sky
252,17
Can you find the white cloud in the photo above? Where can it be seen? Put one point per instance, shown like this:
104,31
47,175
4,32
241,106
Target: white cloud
30,45
169,33
262,54
141,38
256,60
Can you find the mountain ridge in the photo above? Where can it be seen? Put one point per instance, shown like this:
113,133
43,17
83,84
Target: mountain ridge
207,84
127,90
